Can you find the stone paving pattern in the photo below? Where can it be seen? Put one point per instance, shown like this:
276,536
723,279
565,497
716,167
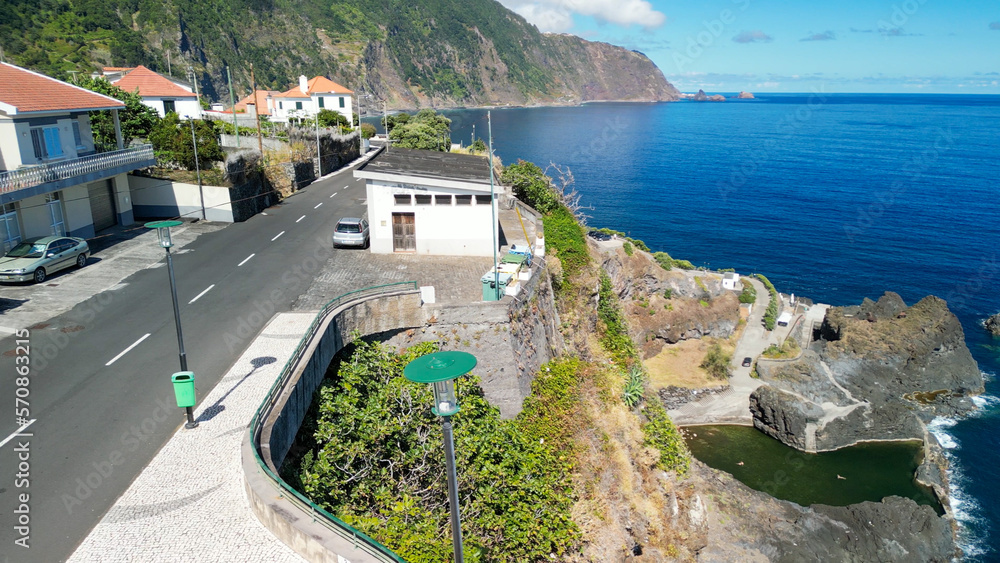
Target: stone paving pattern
189,504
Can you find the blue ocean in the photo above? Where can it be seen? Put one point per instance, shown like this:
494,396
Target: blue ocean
836,197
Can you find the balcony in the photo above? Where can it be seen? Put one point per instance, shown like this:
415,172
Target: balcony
51,177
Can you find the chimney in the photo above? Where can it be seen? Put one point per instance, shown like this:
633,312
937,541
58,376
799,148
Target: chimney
303,84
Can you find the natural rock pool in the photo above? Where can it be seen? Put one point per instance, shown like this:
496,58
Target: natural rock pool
869,471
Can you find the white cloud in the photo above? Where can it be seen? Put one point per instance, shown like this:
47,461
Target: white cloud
557,15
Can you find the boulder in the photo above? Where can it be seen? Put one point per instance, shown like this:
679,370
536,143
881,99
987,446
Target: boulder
992,324
745,96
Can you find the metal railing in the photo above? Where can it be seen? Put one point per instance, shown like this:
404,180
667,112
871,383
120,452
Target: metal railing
37,175
358,538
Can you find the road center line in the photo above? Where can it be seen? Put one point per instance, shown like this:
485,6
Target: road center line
18,432
277,235
333,194
127,350
300,218
345,187
245,260
317,205
196,297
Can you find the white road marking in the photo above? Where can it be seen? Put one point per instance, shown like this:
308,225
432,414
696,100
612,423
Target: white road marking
18,432
300,218
277,235
200,294
333,194
345,187
317,205
127,350
245,260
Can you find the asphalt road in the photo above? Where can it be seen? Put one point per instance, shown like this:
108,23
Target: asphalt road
99,384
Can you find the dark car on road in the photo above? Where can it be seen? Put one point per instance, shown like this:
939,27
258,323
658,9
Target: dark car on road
747,361
598,235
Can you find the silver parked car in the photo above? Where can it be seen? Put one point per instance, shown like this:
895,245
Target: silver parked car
37,258
351,231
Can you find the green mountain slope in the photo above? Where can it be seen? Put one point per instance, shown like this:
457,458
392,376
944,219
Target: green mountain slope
410,53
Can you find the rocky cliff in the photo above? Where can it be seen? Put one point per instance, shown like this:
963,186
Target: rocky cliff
406,53
877,372
992,324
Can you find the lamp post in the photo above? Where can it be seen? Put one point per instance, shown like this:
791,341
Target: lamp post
163,231
440,369
197,167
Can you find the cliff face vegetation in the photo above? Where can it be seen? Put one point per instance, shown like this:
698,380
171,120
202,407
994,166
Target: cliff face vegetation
423,53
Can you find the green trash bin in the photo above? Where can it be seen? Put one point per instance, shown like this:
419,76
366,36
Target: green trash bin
184,388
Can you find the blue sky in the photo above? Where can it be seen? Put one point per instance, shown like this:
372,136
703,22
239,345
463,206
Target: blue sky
779,46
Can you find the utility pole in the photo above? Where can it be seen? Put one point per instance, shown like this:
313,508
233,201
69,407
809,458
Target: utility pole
197,166
319,155
232,106
169,73
256,110
385,124
493,209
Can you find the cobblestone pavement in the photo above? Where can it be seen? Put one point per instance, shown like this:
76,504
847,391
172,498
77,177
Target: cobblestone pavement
117,253
189,503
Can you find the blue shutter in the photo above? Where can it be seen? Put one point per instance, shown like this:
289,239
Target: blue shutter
52,144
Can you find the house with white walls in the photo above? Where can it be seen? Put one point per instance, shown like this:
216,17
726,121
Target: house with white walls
308,98
52,179
163,94
731,280
430,202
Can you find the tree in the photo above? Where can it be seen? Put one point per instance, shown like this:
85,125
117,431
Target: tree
172,142
531,186
367,130
478,146
330,118
137,120
716,362
426,130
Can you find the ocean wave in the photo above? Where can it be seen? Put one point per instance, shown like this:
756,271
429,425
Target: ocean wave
967,512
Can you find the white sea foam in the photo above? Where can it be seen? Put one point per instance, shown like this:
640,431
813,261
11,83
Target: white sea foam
967,511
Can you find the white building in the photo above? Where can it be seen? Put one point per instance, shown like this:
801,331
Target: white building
429,202
731,280
308,98
163,94
52,181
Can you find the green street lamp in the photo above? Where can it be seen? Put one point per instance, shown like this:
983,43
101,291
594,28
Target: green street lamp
163,231
440,369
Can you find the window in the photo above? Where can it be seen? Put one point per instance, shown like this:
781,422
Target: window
45,142
77,137
423,199
298,105
281,105
10,232
402,199
169,107
341,101
55,214
442,199
321,103
463,200
483,199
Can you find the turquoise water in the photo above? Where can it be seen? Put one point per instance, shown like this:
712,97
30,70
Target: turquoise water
870,471
836,197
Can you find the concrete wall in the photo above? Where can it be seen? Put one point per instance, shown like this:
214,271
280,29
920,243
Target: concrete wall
10,154
158,197
456,230
251,142
185,107
123,199
76,211
35,220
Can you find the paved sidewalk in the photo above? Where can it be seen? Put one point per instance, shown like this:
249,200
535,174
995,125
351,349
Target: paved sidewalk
189,503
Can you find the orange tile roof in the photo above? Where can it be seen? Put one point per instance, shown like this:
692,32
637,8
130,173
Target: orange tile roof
261,96
323,85
317,85
24,91
151,84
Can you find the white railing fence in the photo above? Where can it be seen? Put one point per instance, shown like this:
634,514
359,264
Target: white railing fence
36,175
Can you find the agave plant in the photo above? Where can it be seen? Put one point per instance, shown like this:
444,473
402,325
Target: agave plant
635,385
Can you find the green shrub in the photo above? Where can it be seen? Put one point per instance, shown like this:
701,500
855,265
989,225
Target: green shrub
716,361
749,293
532,186
664,260
771,314
635,386
627,247
612,326
565,239
659,432
379,462
668,293
684,264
